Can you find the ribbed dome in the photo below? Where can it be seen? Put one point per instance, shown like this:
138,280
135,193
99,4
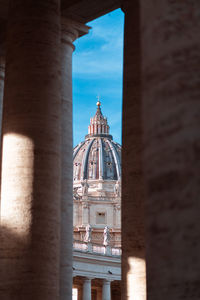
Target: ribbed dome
98,157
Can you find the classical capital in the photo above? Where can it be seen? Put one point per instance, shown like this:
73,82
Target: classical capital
88,279
107,281
71,30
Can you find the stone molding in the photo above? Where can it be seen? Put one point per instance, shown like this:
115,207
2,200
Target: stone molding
93,265
71,30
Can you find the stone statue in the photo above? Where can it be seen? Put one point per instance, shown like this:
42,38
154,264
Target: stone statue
88,233
85,187
106,236
75,193
117,189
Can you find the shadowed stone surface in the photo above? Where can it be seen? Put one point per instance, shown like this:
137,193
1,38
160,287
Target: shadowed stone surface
133,244
171,81
2,76
30,206
67,37
170,107
70,31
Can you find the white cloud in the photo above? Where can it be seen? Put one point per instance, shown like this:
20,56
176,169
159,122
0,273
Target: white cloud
105,56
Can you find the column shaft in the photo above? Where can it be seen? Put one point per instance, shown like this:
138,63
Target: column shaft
30,196
133,240
87,289
70,31
2,76
66,255
106,292
171,108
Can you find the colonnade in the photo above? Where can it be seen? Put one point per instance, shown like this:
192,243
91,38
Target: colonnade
36,197
87,289
160,159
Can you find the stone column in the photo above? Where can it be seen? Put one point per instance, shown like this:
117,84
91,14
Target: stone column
106,292
30,196
87,289
171,109
70,31
133,239
2,76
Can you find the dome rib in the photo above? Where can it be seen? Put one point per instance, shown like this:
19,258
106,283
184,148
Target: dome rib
115,156
85,160
77,150
101,161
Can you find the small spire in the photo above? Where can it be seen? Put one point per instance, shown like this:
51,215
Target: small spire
98,124
98,102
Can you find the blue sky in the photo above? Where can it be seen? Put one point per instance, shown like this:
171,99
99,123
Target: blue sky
97,70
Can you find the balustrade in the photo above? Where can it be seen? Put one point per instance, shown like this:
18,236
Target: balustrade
96,248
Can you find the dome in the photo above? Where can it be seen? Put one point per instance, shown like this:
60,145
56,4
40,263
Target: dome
98,157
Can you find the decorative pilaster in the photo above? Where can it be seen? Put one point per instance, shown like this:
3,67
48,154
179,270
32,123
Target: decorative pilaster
87,289
85,213
70,31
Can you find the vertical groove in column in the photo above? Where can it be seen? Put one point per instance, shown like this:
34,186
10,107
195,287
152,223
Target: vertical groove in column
133,239
66,255
30,208
171,93
70,31
2,77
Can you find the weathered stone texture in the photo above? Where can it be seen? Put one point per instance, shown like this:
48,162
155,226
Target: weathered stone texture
2,76
30,206
70,31
67,37
171,117
133,244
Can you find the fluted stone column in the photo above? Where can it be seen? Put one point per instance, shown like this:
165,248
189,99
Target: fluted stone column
2,76
30,196
87,291
171,106
70,31
133,239
106,292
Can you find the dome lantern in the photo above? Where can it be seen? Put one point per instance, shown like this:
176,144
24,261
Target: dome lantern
98,124
98,157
